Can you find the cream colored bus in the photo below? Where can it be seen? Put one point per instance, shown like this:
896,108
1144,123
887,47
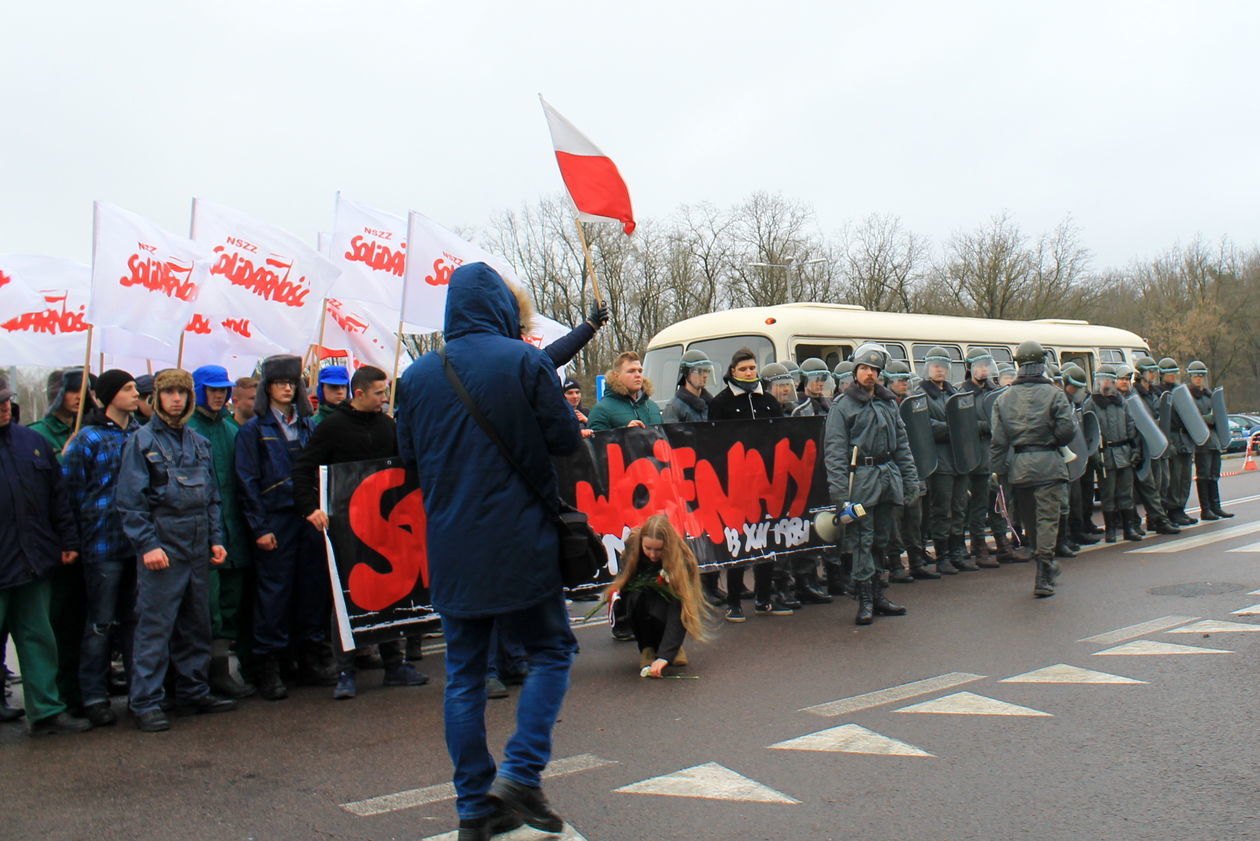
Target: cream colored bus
831,332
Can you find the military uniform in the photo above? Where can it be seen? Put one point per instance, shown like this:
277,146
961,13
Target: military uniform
980,510
947,490
1114,460
1151,489
907,517
1181,462
1207,458
1031,421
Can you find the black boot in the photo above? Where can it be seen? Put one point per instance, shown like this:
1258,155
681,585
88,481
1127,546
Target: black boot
944,563
1088,526
1214,488
1061,549
919,564
1180,517
1109,518
712,592
896,572
783,594
1137,523
1043,586
809,590
882,605
866,602
1158,522
958,548
1206,514
270,684
980,549
1130,521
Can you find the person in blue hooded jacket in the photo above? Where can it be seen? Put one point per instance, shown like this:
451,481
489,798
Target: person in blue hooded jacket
493,546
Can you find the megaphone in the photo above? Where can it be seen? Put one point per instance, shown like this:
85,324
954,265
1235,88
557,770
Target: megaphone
825,524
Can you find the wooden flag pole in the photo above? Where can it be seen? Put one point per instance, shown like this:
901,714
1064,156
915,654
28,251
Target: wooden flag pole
179,356
590,265
83,387
313,352
393,381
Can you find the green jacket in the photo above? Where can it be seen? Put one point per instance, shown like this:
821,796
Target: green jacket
873,425
1119,432
55,431
323,412
221,431
616,410
1033,419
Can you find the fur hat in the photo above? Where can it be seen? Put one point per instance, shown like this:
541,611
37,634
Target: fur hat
281,367
173,378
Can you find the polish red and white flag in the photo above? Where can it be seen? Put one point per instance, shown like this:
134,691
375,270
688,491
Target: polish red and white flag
597,188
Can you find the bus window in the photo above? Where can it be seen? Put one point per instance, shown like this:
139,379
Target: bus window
721,350
1000,353
957,371
832,354
896,351
1083,358
660,365
1111,355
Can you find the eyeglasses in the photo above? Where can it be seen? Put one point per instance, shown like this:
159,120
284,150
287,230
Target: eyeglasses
285,383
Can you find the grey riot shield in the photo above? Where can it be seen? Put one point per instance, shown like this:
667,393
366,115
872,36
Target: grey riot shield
1165,416
987,402
1080,447
1221,417
917,418
964,431
1188,413
1153,442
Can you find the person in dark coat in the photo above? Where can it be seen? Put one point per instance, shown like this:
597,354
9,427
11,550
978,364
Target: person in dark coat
947,491
37,535
691,401
1114,459
169,501
330,390
493,545
1207,458
355,430
292,601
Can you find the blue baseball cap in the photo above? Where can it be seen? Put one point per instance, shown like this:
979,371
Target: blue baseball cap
334,375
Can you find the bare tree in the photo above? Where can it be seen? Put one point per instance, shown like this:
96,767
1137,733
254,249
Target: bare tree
881,262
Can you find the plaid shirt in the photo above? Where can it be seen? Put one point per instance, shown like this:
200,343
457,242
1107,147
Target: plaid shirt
90,464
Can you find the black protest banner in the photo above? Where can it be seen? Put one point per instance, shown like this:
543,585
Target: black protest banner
377,557
738,491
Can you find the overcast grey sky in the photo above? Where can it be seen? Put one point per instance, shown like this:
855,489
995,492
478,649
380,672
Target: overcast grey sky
1138,118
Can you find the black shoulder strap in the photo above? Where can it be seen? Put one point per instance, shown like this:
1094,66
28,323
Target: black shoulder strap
491,432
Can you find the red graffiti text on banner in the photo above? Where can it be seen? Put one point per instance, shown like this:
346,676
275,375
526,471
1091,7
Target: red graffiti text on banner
397,537
376,256
442,270
52,320
264,281
689,490
169,277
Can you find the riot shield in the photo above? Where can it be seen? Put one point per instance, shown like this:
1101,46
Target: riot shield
1188,413
987,402
964,431
1079,446
1165,416
1152,441
917,418
1220,415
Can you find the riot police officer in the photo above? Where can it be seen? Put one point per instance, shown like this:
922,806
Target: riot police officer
907,517
947,491
1207,458
1114,460
1034,419
1152,490
691,400
843,373
981,369
1180,463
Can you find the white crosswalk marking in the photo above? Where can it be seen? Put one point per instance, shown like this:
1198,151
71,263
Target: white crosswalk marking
1212,626
969,703
1063,673
1254,610
1141,647
851,738
1183,543
1250,547
709,781
1129,632
524,833
893,694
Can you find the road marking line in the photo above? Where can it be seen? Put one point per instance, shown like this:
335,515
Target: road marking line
1140,647
892,694
969,703
1183,543
446,791
1063,673
1250,547
1129,632
1254,593
523,833
709,781
1212,626
851,738
1254,610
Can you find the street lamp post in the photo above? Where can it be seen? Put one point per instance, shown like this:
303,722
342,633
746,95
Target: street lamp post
788,266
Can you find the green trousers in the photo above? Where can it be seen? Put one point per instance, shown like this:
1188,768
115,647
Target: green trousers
24,611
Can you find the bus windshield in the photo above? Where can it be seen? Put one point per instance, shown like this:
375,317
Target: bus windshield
660,365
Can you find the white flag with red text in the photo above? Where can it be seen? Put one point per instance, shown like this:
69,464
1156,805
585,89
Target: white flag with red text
269,283
43,310
370,248
145,280
433,254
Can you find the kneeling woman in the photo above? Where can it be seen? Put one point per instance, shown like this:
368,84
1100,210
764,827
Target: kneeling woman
659,585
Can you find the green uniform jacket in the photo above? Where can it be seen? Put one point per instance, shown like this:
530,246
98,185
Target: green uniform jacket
936,397
221,431
985,424
1033,418
873,425
55,431
616,410
1203,402
1119,432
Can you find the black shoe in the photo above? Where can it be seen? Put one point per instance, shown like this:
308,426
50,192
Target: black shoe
1043,587
924,574
100,714
1073,545
1180,517
415,649
958,548
783,593
883,605
735,614
1163,526
943,564
1081,538
8,713
1089,527
208,703
270,684
59,725
529,804
807,593
495,688
621,632
500,820
1129,521
866,603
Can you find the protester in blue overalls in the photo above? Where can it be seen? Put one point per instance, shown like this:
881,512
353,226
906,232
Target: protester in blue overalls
292,600
169,502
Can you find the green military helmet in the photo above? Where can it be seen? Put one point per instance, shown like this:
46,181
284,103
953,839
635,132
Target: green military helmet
1105,371
1054,372
1168,365
978,354
776,372
897,370
1124,372
1144,363
1030,351
693,362
843,372
793,371
814,369
937,354
1197,369
871,354
1074,374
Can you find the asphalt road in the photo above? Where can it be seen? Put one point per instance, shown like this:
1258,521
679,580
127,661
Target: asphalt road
1173,756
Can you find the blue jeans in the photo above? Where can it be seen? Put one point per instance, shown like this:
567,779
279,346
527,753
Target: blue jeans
111,617
550,646
173,630
507,655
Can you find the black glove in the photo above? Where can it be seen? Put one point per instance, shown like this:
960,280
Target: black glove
599,314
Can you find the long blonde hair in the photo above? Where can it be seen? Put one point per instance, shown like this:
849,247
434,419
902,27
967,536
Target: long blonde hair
680,567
